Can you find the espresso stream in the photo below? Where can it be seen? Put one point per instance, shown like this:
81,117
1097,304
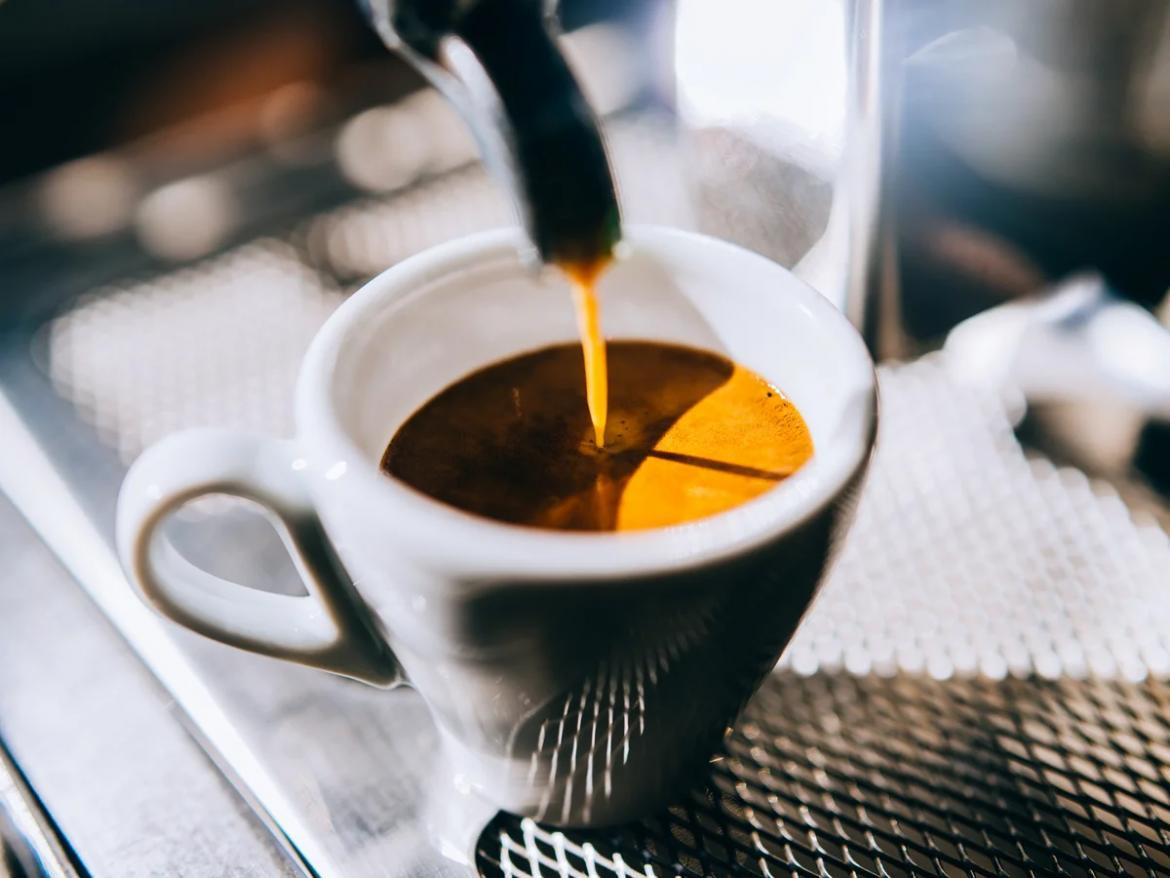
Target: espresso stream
689,434
583,278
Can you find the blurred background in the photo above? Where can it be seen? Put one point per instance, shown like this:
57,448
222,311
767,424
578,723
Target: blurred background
187,190
967,154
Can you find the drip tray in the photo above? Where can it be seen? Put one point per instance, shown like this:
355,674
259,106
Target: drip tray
835,775
979,689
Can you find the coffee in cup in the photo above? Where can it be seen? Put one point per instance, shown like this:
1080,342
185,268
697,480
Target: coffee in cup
690,434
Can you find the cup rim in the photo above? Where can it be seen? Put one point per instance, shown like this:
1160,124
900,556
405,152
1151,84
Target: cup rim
480,548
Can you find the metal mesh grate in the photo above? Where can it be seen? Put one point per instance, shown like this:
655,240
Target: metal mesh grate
218,343
835,775
967,556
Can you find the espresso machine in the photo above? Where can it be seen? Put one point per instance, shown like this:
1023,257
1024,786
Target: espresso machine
982,686
1028,187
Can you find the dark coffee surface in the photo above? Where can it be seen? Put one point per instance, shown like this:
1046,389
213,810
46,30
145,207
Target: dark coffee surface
690,434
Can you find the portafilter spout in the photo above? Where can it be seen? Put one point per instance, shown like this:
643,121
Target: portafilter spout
498,62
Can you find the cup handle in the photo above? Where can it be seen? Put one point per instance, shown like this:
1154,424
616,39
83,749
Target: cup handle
328,628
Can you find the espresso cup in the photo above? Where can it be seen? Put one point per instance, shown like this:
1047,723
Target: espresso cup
578,678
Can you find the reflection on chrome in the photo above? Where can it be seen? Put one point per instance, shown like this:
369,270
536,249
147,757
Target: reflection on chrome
383,148
391,146
89,197
782,65
186,219
286,120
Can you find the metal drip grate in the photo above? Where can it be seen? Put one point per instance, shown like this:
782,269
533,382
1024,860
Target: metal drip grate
967,556
218,343
835,775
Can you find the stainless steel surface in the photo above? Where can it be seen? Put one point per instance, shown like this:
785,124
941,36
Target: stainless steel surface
862,187
246,719
854,262
29,843
99,741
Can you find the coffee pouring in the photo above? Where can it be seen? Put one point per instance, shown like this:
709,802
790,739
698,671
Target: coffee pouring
498,62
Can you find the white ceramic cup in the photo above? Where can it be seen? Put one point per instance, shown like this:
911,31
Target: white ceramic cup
575,677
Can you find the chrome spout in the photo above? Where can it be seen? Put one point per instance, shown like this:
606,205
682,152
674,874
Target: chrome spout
499,64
